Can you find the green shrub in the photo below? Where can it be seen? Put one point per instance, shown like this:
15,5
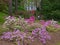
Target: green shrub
51,9
2,15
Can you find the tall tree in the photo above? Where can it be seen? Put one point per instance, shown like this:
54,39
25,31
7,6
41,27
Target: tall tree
16,6
10,7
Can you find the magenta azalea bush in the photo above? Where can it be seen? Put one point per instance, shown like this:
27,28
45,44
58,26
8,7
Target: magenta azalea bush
21,29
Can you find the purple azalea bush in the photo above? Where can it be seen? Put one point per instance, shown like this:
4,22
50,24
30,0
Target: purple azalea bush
20,29
39,33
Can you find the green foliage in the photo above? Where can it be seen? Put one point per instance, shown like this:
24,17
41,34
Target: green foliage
3,6
52,29
2,15
51,9
20,8
2,30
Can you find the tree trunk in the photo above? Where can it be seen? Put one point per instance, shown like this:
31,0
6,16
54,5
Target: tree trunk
10,7
16,7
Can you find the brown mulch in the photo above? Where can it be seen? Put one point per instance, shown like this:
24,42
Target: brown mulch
55,38
6,43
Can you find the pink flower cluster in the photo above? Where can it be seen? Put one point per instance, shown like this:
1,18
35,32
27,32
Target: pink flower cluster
17,35
14,34
30,20
45,23
57,26
49,22
41,34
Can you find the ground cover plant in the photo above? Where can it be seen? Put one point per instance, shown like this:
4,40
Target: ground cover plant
2,16
20,29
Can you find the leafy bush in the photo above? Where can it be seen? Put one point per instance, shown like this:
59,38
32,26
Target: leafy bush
2,15
50,9
24,29
20,29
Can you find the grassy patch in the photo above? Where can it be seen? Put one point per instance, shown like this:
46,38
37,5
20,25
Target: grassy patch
2,15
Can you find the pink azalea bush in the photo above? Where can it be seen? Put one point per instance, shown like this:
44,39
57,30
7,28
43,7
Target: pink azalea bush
23,29
30,20
51,25
39,33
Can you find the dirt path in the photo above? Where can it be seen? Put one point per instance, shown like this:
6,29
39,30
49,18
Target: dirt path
55,39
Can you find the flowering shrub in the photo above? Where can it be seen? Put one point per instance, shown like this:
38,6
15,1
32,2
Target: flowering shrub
30,20
13,22
28,29
41,34
20,23
51,25
38,33
15,35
